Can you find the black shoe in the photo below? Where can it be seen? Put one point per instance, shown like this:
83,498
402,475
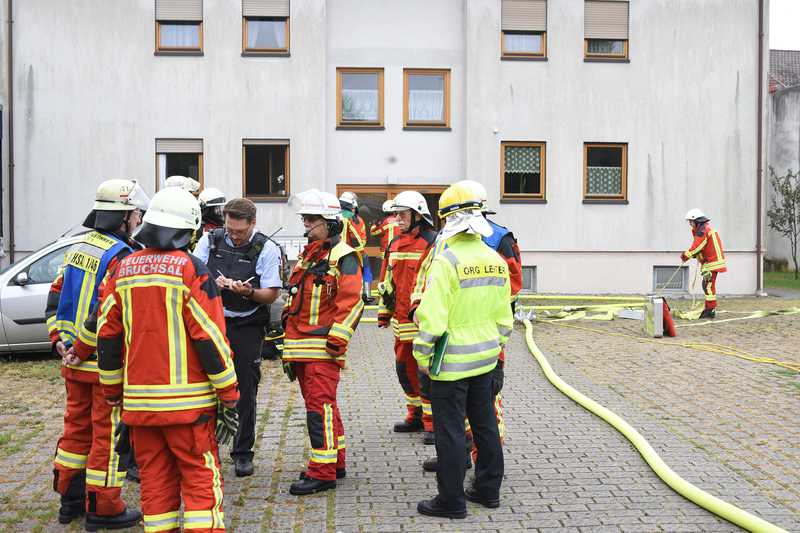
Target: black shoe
432,464
432,507
407,426
126,518
309,485
243,466
70,510
341,473
133,474
475,497
429,438
708,313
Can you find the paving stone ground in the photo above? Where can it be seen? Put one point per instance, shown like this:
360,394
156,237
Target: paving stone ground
726,424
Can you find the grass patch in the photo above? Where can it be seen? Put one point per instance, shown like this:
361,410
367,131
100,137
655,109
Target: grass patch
781,279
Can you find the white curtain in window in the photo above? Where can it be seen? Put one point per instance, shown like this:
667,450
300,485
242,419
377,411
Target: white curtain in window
523,43
162,170
180,35
266,34
425,105
359,104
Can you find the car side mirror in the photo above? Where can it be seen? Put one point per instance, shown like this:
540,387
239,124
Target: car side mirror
22,279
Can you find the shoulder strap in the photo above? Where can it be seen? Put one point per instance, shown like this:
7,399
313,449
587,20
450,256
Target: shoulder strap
256,245
215,237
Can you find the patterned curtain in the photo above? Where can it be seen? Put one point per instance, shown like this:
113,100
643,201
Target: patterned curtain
523,159
604,181
359,104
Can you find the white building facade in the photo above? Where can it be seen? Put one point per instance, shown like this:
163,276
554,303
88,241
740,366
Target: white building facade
594,124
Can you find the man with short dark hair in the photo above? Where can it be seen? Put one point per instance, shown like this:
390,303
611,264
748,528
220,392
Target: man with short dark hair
246,265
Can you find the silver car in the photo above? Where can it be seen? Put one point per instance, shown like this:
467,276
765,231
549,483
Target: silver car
23,297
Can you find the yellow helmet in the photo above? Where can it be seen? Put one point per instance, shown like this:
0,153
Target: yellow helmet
458,197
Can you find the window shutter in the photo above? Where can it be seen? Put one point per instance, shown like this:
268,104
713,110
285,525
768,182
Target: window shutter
179,146
265,8
605,19
524,15
265,142
179,10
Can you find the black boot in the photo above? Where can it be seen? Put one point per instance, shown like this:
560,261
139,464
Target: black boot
243,466
429,438
73,503
433,507
475,497
408,426
310,485
341,473
125,519
432,464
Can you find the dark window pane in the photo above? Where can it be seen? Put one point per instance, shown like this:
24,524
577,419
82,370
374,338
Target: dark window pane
523,183
266,34
605,156
265,170
179,34
605,46
183,165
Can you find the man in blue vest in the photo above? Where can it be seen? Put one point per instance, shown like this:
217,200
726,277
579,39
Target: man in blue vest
246,264
87,470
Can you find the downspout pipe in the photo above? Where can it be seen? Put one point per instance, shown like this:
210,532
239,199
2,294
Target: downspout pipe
10,80
760,154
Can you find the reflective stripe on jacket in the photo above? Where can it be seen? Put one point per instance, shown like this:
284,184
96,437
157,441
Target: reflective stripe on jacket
354,232
466,295
387,229
707,249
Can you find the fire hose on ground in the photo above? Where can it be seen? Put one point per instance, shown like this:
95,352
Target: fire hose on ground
689,491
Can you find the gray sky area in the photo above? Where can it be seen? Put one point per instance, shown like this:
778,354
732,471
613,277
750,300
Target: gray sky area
784,24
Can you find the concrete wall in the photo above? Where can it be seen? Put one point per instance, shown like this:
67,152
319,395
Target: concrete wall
91,104
784,155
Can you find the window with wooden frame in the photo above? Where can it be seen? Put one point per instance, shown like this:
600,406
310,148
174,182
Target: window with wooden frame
605,30
522,170
426,99
178,157
265,169
265,27
179,27
359,98
524,29
605,172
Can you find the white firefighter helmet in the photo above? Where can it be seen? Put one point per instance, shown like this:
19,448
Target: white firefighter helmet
120,195
316,202
184,182
414,201
694,214
211,197
173,207
349,201
480,192
387,206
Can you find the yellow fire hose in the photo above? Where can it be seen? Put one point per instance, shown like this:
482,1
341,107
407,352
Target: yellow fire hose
689,491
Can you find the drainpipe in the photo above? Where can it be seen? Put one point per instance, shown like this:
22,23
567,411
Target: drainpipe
10,78
759,151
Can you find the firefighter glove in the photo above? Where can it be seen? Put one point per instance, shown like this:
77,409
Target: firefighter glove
383,320
684,258
122,435
497,380
227,423
289,371
335,346
707,276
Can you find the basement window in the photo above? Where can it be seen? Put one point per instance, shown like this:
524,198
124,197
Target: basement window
529,278
666,279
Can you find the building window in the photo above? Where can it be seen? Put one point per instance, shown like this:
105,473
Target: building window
605,29
179,26
265,169
359,97
265,27
529,278
178,157
522,168
670,278
605,169
524,29
426,98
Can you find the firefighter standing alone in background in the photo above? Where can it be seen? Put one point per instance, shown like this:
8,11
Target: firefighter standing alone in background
707,249
321,313
386,228
86,468
464,315
401,262
354,234
164,357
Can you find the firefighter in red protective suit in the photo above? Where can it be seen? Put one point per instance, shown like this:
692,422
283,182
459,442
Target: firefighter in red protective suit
387,228
401,262
87,470
354,234
320,316
707,249
164,357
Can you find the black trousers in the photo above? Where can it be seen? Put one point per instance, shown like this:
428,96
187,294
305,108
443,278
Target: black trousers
451,401
245,338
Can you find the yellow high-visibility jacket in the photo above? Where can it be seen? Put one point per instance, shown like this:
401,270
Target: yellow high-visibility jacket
466,295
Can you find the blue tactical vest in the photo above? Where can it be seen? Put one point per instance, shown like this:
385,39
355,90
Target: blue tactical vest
85,266
493,240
